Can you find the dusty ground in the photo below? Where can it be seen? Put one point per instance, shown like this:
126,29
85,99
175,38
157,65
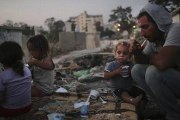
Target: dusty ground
152,110
96,107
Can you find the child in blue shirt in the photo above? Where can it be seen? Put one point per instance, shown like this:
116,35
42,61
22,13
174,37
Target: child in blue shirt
123,87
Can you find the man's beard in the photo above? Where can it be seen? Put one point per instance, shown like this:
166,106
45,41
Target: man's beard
157,38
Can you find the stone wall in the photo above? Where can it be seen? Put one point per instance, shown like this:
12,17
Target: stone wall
16,36
6,35
69,41
92,40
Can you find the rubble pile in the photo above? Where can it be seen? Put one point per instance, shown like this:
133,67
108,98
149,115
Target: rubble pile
87,69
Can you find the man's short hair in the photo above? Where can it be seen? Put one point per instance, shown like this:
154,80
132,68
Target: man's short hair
148,17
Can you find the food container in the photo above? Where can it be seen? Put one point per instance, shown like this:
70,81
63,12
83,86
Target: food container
125,71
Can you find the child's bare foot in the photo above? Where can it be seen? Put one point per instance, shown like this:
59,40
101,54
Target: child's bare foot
136,100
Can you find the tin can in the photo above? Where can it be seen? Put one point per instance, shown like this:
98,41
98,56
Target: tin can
125,71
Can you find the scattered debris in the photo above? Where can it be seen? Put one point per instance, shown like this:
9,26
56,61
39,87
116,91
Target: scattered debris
60,107
78,75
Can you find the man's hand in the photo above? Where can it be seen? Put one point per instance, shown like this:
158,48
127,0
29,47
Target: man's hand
136,49
134,46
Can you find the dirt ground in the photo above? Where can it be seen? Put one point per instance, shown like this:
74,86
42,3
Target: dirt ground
152,111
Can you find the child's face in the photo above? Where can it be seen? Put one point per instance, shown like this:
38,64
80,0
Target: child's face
122,54
34,53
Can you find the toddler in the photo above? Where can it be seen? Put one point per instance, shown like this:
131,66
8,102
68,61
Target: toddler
123,87
42,66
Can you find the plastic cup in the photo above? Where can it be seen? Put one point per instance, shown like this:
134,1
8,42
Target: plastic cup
125,71
94,94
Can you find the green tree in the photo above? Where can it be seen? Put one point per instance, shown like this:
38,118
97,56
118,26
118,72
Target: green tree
99,28
55,27
108,33
73,26
49,22
27,29
58,26
8,23
169,5
123,17
42,31
121,14
22,24
11,24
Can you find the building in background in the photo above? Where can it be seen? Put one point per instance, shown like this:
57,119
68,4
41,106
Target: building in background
83,21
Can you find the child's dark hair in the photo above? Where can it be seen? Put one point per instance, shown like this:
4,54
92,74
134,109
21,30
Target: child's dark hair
39,43
11,55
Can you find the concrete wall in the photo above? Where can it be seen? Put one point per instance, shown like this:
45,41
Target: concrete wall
72,41
17,37
77,41
80,41
92,40
11,36
3,35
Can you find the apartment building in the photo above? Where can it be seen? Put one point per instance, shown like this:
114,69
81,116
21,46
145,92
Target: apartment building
85,22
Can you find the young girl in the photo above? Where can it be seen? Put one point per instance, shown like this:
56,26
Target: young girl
15,81
41,66
123,87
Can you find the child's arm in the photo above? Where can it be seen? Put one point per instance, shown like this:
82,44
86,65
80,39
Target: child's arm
108,75
46,64
1,96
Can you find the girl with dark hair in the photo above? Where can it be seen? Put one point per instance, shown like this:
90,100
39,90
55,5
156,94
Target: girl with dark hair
42,66
15,81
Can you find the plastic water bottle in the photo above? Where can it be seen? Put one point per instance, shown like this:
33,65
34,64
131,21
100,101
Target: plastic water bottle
84,111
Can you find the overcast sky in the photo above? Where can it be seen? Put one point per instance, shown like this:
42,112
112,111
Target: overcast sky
35,12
